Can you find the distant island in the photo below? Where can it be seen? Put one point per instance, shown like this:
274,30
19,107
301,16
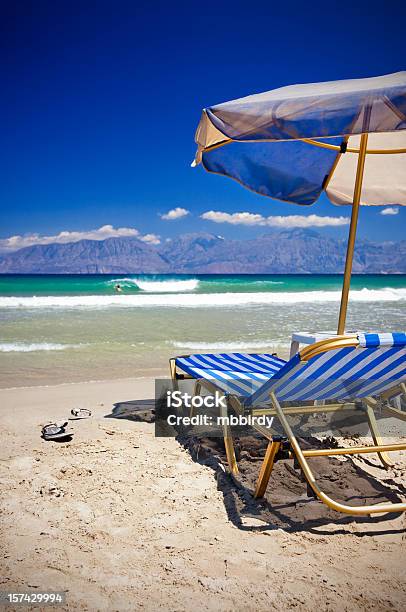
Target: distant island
286,252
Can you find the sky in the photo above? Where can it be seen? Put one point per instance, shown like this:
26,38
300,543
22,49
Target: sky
100,101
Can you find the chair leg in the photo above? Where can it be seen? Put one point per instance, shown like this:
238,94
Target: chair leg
398,399
266,468
227,435
196,391
172,369
229,444
307,472
376,436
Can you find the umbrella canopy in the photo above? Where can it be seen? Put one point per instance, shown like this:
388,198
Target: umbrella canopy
333,113
347,138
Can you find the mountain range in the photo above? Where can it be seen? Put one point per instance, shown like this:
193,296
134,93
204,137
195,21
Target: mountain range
295,251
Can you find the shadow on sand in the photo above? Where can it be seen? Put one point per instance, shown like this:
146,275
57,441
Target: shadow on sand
286,504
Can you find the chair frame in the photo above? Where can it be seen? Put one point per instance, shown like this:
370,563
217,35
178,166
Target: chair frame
278,449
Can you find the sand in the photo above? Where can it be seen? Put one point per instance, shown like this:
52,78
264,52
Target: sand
122,520
288,503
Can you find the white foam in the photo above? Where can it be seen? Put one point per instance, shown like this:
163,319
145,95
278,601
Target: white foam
24,347
199,300
268,282
170,286
228,346
166,286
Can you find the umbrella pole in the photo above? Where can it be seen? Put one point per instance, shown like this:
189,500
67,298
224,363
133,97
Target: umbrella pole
352,233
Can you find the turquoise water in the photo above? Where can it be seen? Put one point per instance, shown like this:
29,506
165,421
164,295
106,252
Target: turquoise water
37,285
58,329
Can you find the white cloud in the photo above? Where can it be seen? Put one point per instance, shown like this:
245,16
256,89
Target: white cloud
247,218
240,218
309,221
175,213
150,238
105,231
391,210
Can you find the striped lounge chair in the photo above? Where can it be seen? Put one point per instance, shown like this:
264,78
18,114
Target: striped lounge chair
366,369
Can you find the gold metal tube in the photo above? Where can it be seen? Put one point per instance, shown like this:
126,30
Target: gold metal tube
266,468
304,409
172,368
353,450
327,345
326,145
310,141
335,164
331,503
228,443
380,151
376,436
352,234
394,412
231,460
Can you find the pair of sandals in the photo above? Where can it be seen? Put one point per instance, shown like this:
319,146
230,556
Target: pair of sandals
59,431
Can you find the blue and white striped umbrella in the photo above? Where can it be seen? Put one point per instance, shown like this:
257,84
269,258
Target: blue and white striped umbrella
347,138
268,149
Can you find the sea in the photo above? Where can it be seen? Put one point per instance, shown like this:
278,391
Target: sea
58,329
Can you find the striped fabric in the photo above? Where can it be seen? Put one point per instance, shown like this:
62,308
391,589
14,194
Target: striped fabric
389,339
236,373
377,364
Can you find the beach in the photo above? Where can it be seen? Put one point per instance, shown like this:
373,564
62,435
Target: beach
202,308
122,520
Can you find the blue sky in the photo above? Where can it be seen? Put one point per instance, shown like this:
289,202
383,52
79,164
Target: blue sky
100,101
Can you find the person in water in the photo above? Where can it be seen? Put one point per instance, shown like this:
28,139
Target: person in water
118,288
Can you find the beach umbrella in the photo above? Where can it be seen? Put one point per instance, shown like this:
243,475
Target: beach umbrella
346,138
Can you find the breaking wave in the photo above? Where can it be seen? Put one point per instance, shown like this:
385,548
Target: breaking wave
165,286
170,286
24,347
198,300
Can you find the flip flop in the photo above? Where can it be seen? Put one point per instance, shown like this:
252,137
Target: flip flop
55,431
81,413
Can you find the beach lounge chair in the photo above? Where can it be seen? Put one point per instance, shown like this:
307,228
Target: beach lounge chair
355,371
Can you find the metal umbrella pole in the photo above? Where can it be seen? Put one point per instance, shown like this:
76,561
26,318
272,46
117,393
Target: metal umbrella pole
352,234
